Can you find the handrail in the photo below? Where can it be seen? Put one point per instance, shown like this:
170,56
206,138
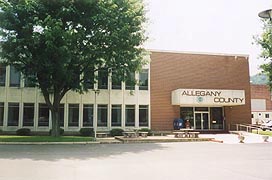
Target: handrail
247,127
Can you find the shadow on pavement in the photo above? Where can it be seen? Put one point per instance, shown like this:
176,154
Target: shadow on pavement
72,152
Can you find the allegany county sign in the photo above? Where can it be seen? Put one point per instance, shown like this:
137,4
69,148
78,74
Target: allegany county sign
208,97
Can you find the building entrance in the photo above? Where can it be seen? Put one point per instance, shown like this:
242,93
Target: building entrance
201,120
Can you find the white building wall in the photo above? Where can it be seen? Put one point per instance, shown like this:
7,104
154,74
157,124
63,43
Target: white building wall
259,117
258,105
259,114
33,95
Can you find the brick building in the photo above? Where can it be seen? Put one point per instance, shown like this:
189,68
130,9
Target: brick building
261,104
210,90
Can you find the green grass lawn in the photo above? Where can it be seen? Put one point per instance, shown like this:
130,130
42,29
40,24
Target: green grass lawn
267,132
45,139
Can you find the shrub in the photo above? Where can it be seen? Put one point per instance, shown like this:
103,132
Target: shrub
86,132
116,132
23,132
61,131
146,130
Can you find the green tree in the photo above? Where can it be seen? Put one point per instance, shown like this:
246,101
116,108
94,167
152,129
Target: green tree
60,44
265,42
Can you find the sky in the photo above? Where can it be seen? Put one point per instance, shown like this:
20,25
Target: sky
215,26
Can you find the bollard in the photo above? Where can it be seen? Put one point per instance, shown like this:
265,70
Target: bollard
265,138
241,138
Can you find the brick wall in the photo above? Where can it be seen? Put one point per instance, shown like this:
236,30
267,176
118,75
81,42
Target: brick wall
261,92
170,71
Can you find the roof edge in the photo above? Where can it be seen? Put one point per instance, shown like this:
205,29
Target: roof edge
198,53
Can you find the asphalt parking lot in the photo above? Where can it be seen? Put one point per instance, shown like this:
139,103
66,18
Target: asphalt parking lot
160,161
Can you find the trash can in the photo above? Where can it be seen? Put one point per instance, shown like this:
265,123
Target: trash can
178,123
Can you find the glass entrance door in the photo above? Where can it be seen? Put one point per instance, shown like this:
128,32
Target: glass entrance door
201,120
198,117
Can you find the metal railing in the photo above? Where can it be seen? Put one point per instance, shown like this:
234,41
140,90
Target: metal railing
246,127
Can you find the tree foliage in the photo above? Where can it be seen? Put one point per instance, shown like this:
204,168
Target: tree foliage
60,44
259,78
265,42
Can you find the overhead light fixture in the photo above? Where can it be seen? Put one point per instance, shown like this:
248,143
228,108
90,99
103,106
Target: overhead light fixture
266,14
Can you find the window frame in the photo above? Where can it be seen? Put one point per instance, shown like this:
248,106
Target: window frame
103,79
2,111
128,83
44,122
61,114
101,107
146,108
118,109
115,84
88,107
3,74
129,108
16,75
74,109
30,107
13,122
142,85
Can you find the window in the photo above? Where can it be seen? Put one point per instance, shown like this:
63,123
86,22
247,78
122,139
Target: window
13,114
116,115
252,115
143,115
73,115
87,115
217,118
28,81
43,119
143,80
1,113
116,83
201,109
266,115
89,81
89,84
61,115
130,83
102,115
14,77
103,79
130,115
2,75
187,113
28,117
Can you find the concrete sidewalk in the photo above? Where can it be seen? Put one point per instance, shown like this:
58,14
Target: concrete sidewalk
222,138
219,138
233,138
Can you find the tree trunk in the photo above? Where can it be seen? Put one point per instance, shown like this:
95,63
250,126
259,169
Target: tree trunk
54,108
55,122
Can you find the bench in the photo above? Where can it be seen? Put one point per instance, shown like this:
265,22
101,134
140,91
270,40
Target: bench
143,134
179,134
101,135
129,134
193,134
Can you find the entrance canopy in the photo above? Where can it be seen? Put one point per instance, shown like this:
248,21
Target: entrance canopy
208,97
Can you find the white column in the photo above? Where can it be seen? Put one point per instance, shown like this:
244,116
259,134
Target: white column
80,124
21,111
